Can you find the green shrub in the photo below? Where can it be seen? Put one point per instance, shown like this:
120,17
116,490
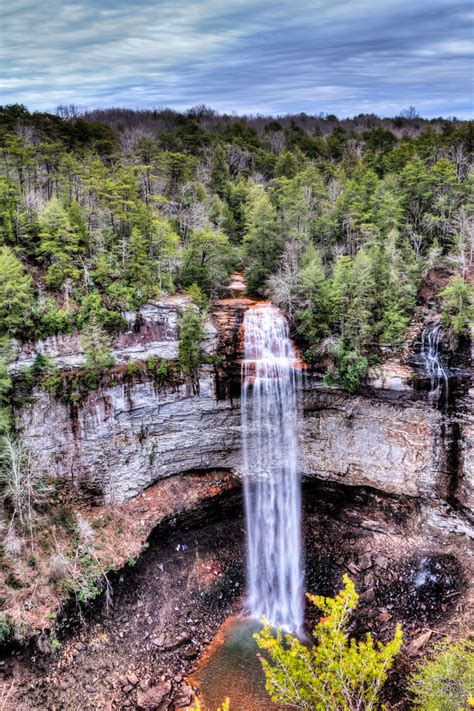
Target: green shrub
53,320
151,364
337,672
133,368
53,384
91,380
11,631
350,368
457,304
162,370
190,341
13,582
445,682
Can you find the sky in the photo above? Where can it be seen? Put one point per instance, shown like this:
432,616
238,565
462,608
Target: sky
246,56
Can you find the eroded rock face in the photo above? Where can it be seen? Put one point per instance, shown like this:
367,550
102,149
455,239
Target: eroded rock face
387,444
126,437
122,438
153,331
391,375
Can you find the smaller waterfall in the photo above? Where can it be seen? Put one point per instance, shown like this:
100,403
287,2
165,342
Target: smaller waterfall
270,374
432,362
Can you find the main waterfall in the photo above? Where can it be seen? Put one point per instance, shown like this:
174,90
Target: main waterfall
270,377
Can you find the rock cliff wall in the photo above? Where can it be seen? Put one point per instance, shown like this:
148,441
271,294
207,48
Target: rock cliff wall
125,436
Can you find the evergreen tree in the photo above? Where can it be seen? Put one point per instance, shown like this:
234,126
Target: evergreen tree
263,245
59,244
16,297
220,172
286,165
458,306
8,206
207,261
313,319
139,266
191,335
96,345
359,323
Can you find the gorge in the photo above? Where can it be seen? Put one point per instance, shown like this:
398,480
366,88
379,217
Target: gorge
235,383
162,461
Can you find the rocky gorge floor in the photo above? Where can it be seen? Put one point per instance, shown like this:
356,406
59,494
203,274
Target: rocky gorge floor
140,650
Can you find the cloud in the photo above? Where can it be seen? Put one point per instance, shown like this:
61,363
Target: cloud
254,56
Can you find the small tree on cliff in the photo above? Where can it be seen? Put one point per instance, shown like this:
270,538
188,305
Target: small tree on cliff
96,345
190,341
337,672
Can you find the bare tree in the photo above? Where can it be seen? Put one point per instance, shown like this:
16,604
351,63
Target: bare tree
23,486
410,113
283,287
462,227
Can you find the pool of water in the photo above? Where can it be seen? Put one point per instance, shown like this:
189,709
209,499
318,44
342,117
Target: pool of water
230,668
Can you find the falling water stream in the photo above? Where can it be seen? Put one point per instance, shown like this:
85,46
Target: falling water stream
432,363
270,376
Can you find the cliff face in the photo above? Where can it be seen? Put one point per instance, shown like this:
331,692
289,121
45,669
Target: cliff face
125,436
152,332
372,441
121,439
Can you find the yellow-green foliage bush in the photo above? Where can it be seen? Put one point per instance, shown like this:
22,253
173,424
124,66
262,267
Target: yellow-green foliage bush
335,673
445,682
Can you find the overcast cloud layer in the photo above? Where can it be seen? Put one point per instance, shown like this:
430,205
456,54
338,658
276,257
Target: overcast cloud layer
249,56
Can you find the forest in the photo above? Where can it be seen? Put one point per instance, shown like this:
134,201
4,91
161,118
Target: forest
337,222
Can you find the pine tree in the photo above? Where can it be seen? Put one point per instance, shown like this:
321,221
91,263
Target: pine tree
314,318
16,298
458,305
59,244
263,245
359,323
191,335
96,346
139,268
220,172
8,205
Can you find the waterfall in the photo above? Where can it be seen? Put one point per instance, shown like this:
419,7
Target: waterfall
432,363
270,378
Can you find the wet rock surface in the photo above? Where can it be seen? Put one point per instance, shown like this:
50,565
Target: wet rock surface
167,607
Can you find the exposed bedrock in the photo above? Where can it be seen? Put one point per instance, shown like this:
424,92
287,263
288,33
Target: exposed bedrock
125,436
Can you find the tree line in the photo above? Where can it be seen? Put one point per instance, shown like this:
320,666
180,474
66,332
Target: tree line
336,221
